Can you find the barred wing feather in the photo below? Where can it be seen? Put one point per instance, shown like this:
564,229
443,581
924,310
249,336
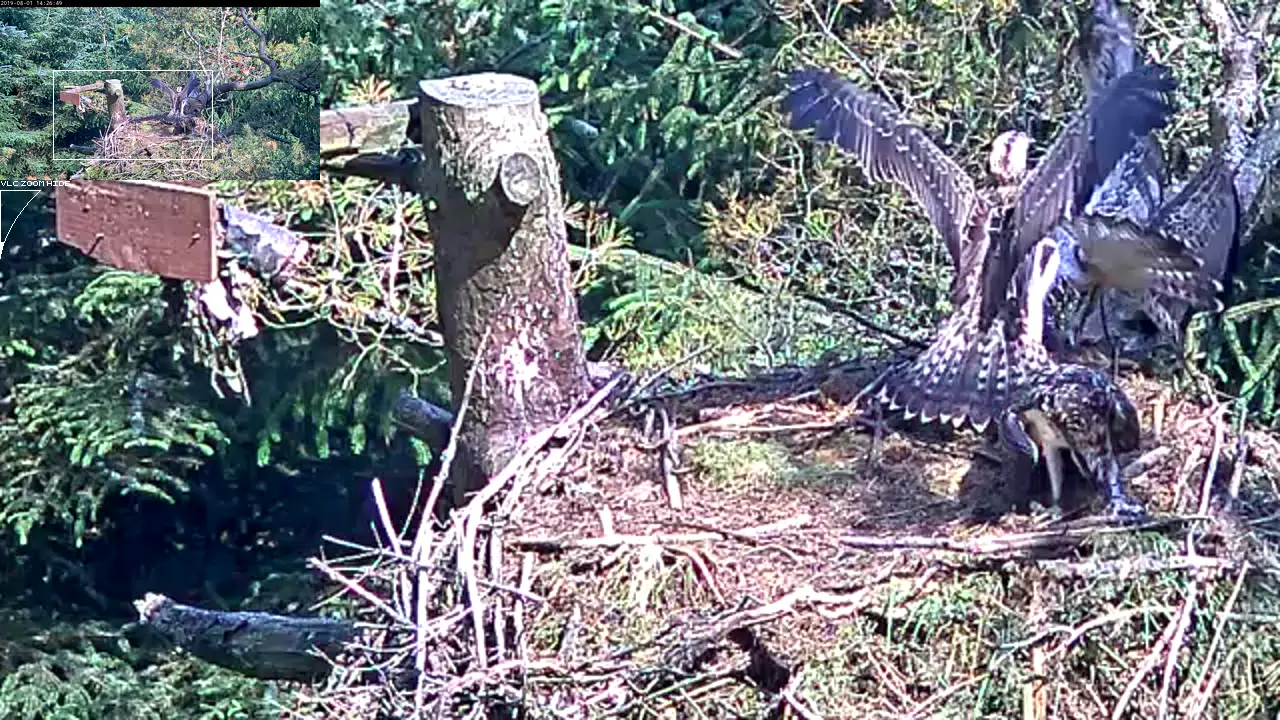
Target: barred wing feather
887,147
1088,149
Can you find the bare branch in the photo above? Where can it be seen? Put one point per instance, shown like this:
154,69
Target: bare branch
1239,51
1262,17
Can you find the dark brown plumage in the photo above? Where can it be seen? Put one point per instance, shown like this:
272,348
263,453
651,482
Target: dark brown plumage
169,94
1119,232
188,91
190,100
1175,259
1077,411
1107,247
990,344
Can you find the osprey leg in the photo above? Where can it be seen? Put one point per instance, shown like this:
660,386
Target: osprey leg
1121,505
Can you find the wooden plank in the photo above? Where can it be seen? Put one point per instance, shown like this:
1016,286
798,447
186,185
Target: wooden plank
82,88
366,128
152,227
68,96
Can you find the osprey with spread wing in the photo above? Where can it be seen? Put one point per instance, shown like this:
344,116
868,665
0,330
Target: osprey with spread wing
1205,216
991,344
1076,410
189,98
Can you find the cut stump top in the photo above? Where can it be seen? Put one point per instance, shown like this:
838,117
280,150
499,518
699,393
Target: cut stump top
480,90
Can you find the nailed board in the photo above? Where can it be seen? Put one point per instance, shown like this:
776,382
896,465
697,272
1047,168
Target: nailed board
74,95
151,227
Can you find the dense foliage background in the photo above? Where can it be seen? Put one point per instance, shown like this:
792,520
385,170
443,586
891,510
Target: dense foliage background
33,43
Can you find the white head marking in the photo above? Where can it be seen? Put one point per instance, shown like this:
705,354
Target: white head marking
1008,159
1045,261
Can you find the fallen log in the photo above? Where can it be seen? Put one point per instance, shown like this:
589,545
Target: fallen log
259,645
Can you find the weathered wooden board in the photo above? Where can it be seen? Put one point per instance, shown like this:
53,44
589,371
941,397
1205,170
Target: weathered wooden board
75,95
366,128
81,88
144,226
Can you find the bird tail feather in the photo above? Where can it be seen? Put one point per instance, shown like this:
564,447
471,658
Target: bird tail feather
966,374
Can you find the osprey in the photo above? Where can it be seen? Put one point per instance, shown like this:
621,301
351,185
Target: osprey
187,92
1068,409
1073,409
1106,245
1205,216
992,343
173,98
189,97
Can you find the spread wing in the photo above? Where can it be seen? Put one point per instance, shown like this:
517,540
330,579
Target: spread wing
1211,216
1205,217
1134,190
993,344
1088,149
1180,256
188,92
972,366
163,87
1181,251
1107,47
1116,253
887,146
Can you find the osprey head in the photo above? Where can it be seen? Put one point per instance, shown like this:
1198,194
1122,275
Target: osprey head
1008,159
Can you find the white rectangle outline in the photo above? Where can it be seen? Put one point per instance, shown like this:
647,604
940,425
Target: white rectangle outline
53,124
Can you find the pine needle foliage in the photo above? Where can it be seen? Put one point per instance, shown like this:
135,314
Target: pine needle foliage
84,420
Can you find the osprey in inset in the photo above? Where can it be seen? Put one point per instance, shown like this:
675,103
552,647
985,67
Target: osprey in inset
195,99
188,98
992,344
163,87
191,86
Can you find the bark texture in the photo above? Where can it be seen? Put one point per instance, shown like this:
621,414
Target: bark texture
115,104
260,645
506,301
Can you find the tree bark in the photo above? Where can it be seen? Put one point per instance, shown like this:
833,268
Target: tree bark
505,298
260,645
115,104
1242,47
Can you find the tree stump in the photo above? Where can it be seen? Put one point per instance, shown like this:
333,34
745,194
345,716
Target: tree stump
506,301
115,104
